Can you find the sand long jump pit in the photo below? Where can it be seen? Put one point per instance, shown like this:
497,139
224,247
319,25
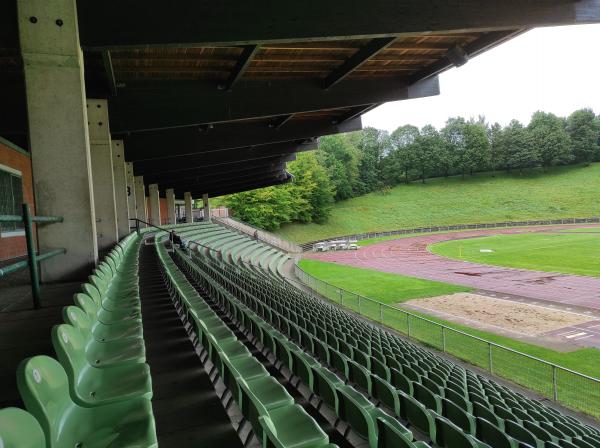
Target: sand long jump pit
497,314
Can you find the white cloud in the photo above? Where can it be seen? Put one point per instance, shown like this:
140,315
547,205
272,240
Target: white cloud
552,69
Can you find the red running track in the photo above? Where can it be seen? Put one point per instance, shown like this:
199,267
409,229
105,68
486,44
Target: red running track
409,256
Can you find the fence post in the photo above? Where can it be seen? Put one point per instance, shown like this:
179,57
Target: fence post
490,356
444,339
554,388
408,324
137,226
32,258
380,312
359,310
341,296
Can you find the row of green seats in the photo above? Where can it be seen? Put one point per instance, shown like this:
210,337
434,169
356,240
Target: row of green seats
585,436
99,394
350,406
276,419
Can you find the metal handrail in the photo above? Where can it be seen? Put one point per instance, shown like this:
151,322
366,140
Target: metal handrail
171,233
554,367
33,258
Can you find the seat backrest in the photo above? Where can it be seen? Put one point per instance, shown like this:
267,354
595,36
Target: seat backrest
69,345
359,375
353,412
418,415
386,393
93,292
492,435
428,398
458,416
301,368
20,429
325,389
401,382
44,388
75,316
449,435
87,304
389,437
520,433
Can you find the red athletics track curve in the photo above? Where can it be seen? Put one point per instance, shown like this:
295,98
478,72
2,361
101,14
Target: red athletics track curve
409,256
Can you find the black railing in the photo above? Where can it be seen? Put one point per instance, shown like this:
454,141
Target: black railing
33,258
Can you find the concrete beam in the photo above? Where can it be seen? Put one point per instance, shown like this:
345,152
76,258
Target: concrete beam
102,174
121,195
189,207
171,215
154,204
140,200
58,135
130,191
206,210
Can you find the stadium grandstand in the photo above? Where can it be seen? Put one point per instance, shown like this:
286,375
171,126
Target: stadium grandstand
152,328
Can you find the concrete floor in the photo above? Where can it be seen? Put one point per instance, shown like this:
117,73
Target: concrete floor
25,331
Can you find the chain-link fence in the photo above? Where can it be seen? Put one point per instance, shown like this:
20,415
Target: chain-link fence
568,387
490,225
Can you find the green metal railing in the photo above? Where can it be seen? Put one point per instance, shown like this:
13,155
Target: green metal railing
33,258
573,389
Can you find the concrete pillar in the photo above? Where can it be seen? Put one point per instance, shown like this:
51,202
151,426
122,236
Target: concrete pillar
206,203
189,206
120,178
130,191
58,135
154,204
102,174
140,200
171,215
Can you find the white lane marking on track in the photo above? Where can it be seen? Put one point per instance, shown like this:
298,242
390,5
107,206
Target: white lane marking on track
583,337
576,335
566,332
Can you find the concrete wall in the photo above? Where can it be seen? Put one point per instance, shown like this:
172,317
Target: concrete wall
164,219
14,157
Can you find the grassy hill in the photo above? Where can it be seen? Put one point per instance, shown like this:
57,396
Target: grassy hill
572,191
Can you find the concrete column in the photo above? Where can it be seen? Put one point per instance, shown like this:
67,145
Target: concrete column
58,135
171,215
154,204
206,203
130,191
120,178
140,200
102,174
189,206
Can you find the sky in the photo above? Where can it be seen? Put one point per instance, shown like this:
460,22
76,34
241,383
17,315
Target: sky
552,69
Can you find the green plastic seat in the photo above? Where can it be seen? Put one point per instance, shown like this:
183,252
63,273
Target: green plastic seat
78,317
20,429
386,393
261,395
43,385
458,416
448,435
417,415
302,367
92,386
492,435
97,312
522,434
362,415
325,385
291,427
388,436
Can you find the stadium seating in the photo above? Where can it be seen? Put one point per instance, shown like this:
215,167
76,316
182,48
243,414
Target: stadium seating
436,399
99,393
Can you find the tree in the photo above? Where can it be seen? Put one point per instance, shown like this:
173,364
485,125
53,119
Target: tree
515,144
547,136
454,153
402,157
583,129
497,149
373,144
477,146
428,146
313,186
340,159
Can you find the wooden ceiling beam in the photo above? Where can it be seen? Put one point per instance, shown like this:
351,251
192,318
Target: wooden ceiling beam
240,68
356,60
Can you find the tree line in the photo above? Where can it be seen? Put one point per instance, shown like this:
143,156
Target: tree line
357,163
